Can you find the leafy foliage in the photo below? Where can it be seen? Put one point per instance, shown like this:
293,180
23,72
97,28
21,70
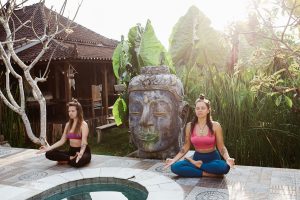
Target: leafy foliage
194,41
119,110
195,44
258,104
121,60
141,49
11,125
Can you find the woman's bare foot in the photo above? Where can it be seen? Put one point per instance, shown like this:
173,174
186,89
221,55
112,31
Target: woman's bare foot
62,162
212,175
197,163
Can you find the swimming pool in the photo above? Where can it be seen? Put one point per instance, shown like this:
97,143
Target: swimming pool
101,191
110,182
88,189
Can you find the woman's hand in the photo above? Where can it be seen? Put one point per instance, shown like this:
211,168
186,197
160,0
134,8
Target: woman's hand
77,156
197,163
43,149
230,162
169,162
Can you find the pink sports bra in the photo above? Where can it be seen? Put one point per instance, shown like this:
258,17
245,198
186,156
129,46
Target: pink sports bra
203,142
74,136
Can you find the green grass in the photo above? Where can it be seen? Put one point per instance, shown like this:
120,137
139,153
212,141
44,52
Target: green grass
114,141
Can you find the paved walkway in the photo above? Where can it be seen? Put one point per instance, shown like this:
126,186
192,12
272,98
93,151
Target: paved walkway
19,167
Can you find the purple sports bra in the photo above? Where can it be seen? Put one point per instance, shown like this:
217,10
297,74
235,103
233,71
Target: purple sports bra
74,136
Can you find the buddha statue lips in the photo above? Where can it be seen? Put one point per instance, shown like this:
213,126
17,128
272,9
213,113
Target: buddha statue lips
148,136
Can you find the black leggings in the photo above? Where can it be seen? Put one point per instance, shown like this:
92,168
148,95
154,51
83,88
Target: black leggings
58,155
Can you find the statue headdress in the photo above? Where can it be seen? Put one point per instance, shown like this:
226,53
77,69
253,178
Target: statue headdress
157,78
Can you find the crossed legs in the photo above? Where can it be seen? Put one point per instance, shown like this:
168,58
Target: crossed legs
211,165
65,157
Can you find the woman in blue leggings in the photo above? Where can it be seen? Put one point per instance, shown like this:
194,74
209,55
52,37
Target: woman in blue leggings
206,135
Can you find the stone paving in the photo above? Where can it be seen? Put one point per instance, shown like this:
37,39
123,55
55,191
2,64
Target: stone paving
22,167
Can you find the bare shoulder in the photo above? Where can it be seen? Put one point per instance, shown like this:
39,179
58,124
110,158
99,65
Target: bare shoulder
84,124
67,125
216,125
188,126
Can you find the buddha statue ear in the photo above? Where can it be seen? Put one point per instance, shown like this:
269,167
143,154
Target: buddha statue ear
184,111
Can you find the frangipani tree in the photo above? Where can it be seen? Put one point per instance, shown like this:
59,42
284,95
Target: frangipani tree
18,70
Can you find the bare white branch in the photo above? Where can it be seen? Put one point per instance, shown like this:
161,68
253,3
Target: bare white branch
11,46
8,103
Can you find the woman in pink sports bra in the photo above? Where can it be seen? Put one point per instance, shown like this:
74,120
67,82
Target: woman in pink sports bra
207,137
76,131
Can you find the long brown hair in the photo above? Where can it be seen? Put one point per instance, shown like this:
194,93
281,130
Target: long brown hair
208,116
78,107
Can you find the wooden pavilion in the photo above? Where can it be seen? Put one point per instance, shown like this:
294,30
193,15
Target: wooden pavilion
80,67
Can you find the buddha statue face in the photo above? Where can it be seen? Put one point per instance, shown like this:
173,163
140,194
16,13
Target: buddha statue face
154,120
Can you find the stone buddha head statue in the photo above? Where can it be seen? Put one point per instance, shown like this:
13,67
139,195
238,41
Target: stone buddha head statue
157,112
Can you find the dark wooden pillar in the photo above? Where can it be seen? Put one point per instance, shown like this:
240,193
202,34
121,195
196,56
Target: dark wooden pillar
95,74
56,82
68,94
105,89
67,87
1,114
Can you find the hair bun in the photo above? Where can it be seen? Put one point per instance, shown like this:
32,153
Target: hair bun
202,96
74,100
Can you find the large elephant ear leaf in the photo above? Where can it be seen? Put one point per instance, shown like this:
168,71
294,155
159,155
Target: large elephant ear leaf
119,111
135,34
120,58
134,39
151,51
193,40
184,36
116,60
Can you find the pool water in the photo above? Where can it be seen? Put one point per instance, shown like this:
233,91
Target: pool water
100,191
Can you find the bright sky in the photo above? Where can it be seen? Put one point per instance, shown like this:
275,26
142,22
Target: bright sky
113,18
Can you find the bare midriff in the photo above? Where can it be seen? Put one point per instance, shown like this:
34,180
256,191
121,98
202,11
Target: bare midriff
75,143
205,150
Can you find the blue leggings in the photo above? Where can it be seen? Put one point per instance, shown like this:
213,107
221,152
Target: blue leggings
212,163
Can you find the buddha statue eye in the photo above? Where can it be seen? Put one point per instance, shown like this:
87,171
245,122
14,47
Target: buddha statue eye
135,113
136,109
160,114
160,109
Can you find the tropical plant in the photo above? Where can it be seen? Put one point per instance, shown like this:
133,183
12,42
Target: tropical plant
279,76
193,40
194,43
257,104
11,125
141,49
256,131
